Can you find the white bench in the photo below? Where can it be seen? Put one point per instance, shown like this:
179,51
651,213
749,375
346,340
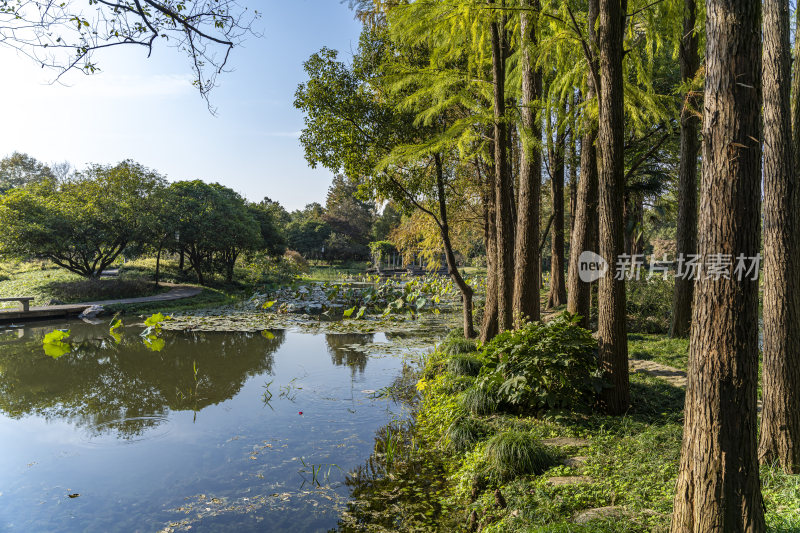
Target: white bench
24,300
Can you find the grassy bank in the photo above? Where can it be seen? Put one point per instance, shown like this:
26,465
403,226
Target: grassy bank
496,469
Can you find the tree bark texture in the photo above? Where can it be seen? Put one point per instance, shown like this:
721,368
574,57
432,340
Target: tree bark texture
504,221
780,417
489,322
557,294
718,485
583,238
613,342
526,249
686,236
452,267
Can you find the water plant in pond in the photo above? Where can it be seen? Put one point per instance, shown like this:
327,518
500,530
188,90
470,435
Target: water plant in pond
320,473
151,333
54,345
116,330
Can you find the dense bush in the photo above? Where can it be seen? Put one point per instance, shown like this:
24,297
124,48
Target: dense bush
649,305
296,258
541,366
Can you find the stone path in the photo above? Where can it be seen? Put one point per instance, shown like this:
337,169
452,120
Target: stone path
673,376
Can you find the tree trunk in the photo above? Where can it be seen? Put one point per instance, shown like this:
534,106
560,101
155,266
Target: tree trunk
452,267
504,237
583,238
612,337
526,250
158,263
780,418
489,323
558,291
687,181
572,159
718,485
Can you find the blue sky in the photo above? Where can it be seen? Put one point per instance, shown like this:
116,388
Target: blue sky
147,110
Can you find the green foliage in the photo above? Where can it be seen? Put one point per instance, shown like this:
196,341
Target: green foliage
516,453
659,348
649,305
464,433
479,401
18,170
464,365
212,225
541,366
54,344
84,223
455,344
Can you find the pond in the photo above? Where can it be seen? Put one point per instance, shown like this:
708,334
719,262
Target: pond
215,432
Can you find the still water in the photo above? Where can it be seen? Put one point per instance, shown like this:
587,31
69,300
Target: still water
204,435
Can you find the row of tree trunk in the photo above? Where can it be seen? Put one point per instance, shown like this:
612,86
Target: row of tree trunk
718,487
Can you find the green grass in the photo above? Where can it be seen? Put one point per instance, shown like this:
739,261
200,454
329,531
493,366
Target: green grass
659,348
51,285
631,461
515,453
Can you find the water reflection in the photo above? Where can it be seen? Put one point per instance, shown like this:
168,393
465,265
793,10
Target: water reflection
344,351
104,387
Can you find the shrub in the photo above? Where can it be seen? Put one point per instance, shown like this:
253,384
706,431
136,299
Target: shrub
516,453
462,434
464,365
455,343
649,305
479,401
298,260
541,366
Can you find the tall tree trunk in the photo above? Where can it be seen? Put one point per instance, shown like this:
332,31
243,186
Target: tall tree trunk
687,181
583,238
780,418
611,295
572,159
452,267
158,262
558,291
526,250
504,222
489,322
718,485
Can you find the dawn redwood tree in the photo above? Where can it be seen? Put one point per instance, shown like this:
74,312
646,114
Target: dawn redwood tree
526,249
718,486
503,212
686,236
557,294
613,341
780,417
584,231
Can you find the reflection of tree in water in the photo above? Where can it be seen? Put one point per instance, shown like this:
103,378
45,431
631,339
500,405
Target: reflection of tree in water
399,488
124,388
343,355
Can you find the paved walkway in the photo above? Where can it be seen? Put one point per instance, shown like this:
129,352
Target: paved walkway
178,292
